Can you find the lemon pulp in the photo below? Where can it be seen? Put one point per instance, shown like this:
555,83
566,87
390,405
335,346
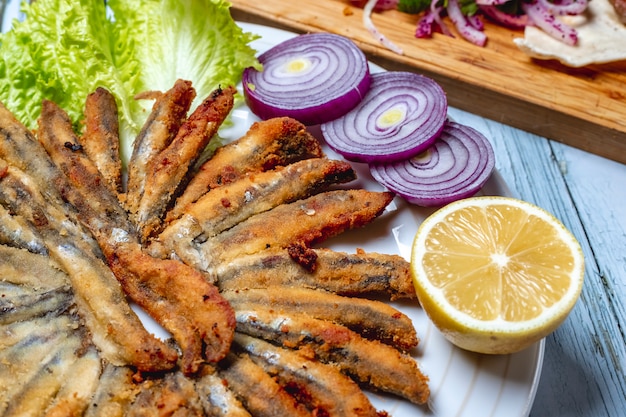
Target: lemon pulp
495,274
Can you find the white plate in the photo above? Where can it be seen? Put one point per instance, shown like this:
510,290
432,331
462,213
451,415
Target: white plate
462,383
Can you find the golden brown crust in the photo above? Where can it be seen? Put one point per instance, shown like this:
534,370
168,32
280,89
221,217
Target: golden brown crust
168,114
200,320
306,222
166,171
100,139
266,145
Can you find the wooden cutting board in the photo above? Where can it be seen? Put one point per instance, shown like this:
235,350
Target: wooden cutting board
584,107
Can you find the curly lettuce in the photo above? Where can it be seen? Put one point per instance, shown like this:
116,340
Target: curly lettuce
64,49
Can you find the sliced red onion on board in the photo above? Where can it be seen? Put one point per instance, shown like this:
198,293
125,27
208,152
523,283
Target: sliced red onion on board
400,116
312,78
456,166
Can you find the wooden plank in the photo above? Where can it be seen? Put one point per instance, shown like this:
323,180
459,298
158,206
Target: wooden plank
583,107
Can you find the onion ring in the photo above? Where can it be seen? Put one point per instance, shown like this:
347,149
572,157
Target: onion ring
312,78
456,166
401,115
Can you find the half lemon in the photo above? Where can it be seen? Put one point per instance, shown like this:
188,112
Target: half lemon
496,274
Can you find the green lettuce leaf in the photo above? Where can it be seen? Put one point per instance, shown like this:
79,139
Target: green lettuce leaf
64,49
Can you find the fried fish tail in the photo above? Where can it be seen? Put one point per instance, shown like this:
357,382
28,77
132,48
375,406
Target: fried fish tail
265,146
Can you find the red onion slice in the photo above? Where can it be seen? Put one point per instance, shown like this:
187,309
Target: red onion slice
400,116
312,78
456,166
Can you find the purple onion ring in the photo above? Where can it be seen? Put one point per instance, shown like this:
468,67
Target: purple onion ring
401,115
312,78
456,166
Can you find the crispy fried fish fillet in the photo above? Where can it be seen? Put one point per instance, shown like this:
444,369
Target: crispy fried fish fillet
368,361
175,295
266,145
257,390
230,204
343,273
166,170
17,232
63,383
101,140
372,319
48,365
171,395
168,113
115,328
217,400
322,388
115,392
301,223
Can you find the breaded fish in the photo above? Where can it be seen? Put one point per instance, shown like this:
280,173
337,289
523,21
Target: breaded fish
230,204
266,145
257,390
368,361
301,224
168,114
115,392
101,140
166,171
343,273
175,295
371,318
171,395
217,399
322,389
98,295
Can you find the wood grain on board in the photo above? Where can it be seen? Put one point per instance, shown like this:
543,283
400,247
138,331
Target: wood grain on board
581,107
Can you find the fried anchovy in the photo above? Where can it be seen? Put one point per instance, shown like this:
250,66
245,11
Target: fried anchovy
16,232
29,273
98,295
266,145
370,318
339,272
32,369
368,361
168,113
217,399
166,171
322,388
19,148
257,390
171,395
224,207
115,392
295,225
77,388
175,295
100,139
